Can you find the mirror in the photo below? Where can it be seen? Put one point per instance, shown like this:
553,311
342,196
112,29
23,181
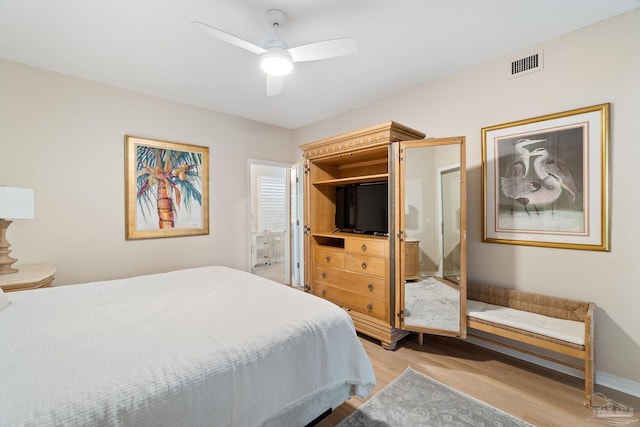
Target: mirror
431,222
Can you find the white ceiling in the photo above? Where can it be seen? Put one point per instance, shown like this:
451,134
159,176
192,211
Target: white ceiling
149,46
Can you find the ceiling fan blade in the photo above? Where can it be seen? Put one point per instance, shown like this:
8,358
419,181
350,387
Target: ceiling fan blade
274,85
229,38
324,49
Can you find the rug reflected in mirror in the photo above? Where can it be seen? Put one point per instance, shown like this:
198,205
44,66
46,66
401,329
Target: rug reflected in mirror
414,399
430,303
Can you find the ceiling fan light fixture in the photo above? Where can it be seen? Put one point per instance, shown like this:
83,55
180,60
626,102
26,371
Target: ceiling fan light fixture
276,62
276,58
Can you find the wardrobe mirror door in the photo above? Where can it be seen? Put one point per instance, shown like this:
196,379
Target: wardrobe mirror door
432,245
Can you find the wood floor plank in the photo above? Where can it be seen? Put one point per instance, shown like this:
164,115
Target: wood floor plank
538,395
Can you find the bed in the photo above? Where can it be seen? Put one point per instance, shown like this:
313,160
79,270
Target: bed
197,347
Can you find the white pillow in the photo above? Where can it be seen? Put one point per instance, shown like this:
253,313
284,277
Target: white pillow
4,301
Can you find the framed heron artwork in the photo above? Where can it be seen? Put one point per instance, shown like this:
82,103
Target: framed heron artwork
545,180
167,189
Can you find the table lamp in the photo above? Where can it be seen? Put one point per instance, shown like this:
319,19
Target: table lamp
15,203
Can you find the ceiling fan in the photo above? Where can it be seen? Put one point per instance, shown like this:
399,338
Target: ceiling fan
276,58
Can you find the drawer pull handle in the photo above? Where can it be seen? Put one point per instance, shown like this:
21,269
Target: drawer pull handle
324,275
328,258
364,265
364,248
370,287
324,292
369,308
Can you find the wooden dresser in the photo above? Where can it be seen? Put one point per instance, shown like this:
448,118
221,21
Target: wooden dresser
350,270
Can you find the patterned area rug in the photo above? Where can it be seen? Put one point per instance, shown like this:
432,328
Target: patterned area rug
413,399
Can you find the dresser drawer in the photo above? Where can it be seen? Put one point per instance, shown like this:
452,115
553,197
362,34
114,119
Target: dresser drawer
368,286
367,305
366,246
365,264
325,257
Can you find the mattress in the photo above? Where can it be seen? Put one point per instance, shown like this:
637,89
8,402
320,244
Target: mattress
198,347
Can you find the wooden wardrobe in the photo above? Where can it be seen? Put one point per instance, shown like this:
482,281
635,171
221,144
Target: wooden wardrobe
388,287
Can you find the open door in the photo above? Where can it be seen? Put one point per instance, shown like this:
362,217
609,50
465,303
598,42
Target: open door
269,238
297,226
431,242
306,232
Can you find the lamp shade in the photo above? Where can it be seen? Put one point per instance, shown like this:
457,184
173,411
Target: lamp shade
16,203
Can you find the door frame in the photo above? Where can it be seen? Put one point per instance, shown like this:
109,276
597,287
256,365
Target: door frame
287,240
296,232
441,172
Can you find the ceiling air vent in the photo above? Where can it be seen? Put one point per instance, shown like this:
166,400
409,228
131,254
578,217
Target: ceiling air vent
526,64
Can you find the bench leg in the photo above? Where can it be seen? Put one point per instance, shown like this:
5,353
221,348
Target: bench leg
589,377
589,361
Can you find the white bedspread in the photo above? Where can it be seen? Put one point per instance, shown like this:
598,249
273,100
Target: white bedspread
209,346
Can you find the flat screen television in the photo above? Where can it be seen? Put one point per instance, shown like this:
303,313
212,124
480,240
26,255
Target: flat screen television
363,208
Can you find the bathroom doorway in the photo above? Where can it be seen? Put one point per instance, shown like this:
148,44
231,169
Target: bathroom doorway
269,217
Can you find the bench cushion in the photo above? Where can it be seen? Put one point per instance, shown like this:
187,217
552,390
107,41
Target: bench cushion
565,330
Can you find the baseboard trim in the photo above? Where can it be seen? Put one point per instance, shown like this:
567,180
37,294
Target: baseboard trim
618,383
602,378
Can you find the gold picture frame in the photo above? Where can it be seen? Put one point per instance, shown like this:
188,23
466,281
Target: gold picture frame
545,180
166,189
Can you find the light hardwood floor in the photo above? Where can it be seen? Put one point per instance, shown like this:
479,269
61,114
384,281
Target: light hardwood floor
535,394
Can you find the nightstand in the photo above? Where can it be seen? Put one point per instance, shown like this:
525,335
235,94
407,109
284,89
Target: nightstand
30,276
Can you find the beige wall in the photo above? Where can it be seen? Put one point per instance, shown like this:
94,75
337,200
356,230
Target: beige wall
595,65
64,138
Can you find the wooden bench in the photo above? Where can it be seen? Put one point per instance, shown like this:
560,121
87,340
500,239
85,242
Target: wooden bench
541,321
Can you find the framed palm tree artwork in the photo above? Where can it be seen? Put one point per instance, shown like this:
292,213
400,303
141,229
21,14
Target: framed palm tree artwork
167,189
